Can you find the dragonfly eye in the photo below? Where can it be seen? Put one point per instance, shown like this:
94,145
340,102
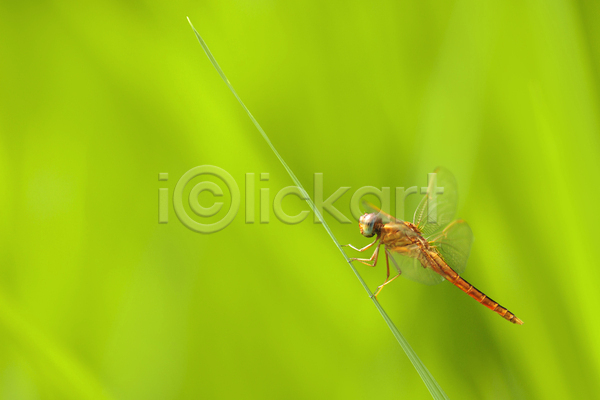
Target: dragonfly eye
366,224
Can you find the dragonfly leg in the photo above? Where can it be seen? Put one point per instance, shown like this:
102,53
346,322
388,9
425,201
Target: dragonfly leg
363,249
387,264
387,278
380,287
373,258
387,253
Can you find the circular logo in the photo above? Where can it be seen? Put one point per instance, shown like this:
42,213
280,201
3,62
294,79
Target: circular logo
195,204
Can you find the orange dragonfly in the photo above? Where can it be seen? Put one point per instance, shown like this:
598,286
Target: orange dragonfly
432,248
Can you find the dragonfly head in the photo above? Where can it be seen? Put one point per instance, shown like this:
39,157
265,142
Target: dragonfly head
370,224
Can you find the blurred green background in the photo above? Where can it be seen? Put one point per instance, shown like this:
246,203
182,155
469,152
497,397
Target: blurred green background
97,300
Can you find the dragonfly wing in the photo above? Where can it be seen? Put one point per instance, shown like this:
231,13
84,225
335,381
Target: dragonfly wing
453,243
385,216
438,207
412,268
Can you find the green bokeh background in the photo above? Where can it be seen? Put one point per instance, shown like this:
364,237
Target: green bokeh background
97,300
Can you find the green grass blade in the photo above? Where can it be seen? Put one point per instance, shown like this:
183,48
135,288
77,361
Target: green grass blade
433,387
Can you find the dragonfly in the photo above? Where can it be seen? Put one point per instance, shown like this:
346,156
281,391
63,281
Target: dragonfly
432,248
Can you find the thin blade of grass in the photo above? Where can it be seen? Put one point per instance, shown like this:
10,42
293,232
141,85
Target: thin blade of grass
432,385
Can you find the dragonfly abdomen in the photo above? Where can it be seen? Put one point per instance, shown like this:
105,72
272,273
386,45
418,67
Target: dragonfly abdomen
475,293
485,300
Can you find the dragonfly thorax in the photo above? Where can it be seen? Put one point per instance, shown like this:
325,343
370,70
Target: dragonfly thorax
370,224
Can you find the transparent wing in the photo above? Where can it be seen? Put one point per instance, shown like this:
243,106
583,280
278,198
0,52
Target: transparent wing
454,245
438,207
384,216
412,268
